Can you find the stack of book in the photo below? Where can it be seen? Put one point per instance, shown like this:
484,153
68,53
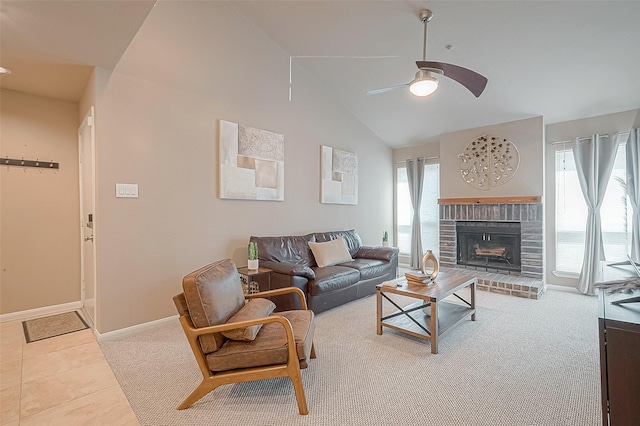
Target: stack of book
418,278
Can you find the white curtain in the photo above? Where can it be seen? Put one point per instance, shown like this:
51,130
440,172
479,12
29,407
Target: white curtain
415,173
594,159
633,189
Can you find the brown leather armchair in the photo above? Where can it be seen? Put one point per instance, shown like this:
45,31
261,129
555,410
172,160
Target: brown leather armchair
235,338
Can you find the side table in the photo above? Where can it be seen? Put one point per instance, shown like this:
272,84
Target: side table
255,280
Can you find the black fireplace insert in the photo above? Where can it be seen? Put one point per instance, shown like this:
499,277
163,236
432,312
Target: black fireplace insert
489,244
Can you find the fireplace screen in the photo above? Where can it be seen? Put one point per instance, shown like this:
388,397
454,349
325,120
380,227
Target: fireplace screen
489,244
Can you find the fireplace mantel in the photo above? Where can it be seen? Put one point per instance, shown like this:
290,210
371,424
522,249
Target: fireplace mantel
492,200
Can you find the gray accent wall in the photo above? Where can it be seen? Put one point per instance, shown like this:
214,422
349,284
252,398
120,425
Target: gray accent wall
191,65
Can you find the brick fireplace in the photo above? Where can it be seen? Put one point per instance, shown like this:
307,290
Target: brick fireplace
507,254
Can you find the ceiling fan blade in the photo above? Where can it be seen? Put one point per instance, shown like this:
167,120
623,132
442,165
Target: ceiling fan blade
386,89
469,79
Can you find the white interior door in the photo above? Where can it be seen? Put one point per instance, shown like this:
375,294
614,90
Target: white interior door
86,154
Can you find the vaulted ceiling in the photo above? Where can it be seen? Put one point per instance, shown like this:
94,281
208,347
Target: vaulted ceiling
563,60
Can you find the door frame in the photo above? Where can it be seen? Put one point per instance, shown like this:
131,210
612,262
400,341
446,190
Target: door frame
88,122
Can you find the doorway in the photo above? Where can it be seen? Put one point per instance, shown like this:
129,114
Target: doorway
86,156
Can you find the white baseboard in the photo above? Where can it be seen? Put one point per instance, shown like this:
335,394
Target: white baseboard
72,306
40,312
562,288
116,334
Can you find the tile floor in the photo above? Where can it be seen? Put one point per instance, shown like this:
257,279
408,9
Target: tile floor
63,380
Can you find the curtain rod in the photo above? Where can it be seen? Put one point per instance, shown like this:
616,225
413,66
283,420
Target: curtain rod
588,137
435,157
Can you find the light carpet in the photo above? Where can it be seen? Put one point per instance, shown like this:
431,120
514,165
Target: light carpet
523,362
53,325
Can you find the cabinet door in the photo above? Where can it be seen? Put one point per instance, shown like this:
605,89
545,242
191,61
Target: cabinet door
623,365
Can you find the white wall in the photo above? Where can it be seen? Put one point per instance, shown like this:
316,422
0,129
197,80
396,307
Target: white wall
568,131
528,137
429,150
192,64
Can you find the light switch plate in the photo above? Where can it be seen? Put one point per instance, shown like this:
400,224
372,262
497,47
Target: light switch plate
126,190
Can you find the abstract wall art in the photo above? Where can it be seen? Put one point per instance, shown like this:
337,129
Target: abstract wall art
251,163
338,176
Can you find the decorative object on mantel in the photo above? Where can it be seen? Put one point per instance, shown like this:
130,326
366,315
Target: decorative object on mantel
252,262
30,163
385,239
338,176
251,163
489,161
426,277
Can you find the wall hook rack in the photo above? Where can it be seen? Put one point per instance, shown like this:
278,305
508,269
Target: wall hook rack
29,163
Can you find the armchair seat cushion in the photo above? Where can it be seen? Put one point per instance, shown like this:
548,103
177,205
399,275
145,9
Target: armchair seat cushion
269,347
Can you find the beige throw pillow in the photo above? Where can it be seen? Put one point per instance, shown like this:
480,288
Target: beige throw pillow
330,252
255,308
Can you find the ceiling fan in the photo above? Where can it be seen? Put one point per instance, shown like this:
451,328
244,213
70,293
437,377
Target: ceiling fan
425,83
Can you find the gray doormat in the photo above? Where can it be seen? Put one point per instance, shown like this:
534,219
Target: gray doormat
54,325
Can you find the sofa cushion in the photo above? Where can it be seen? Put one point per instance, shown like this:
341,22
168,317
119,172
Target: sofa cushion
330,252
213,294
253,309
332,278
379,253
291,269
289,249
351,238
369,268
269,346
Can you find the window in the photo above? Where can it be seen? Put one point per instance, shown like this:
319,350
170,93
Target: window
571,213
429,214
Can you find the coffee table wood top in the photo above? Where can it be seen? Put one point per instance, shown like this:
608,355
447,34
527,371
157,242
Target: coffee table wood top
446,283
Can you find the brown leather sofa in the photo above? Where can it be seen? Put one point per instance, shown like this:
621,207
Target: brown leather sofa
293,265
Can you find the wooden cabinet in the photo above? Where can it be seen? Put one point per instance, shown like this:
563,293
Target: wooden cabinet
620,359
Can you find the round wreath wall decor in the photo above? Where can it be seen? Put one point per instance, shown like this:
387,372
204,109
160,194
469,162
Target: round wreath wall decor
489,161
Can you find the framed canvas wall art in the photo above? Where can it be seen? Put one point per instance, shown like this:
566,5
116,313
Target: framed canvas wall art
251,163
338,176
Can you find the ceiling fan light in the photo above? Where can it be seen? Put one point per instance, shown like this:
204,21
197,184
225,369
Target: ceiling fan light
423,85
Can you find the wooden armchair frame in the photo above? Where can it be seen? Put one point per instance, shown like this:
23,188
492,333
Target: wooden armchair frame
212,380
